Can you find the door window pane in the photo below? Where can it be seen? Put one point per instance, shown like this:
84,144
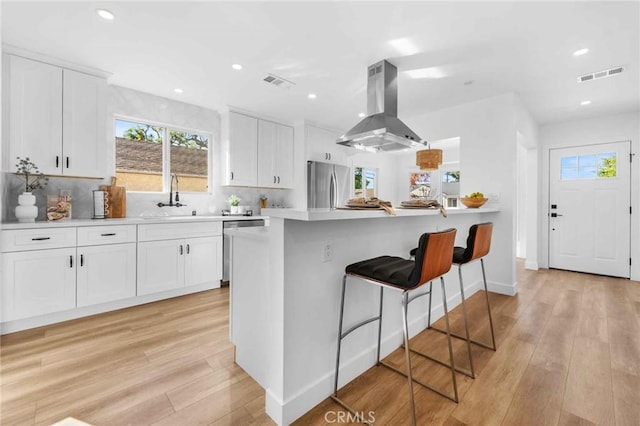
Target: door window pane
189,160
607,167
139,156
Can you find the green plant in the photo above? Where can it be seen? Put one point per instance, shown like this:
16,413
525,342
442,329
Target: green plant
33,178
234,201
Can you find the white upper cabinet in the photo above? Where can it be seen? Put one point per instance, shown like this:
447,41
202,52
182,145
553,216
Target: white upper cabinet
56,117
322,146
275,155
33,112
83,128
241,140
257,152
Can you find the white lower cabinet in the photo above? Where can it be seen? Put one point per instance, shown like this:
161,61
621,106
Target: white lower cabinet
106,273
160,266
38,282
170,264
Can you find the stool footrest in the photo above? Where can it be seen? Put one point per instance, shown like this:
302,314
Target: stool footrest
431,388
357,326
457,336
444,364
355,413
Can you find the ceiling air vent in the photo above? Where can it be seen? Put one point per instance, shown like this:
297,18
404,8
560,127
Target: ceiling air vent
279,81
600,74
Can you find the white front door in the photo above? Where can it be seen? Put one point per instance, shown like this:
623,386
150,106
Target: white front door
590,207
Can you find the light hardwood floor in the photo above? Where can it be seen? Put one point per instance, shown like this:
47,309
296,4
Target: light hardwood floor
568,353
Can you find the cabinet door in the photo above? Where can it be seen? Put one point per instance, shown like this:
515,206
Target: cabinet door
84,137
106,273
35,114
243,150
321,146
268,133
284,164
38,282
203,261
160,266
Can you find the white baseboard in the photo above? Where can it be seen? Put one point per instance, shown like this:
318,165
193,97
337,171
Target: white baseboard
501,288
531,264
286,412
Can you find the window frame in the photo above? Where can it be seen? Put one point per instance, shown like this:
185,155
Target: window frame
166,153
376,170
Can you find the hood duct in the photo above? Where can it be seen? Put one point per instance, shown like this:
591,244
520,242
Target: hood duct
381,130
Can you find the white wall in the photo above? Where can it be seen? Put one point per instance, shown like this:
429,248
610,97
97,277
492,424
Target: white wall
487,131
613,128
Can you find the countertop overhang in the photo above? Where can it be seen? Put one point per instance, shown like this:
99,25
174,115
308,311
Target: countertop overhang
339,214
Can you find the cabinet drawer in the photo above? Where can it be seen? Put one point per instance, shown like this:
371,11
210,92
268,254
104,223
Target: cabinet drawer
155,232
37,239
98,235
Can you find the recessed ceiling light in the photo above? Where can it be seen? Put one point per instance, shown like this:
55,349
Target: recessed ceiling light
105,14
469,82
580,52
585,103
236,67
361,115
178,90
312,96
433,72
404,46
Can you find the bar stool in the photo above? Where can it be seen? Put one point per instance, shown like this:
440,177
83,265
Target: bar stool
478,246
433,259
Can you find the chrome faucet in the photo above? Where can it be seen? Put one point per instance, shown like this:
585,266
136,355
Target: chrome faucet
177,203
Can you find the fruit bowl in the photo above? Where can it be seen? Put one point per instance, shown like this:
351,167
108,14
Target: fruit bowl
473,202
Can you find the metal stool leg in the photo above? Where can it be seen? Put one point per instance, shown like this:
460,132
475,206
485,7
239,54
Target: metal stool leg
379,327
486,293
466,322
446,320
429,312
405,329
344,286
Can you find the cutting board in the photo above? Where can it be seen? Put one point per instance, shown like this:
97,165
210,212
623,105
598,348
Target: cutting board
117,199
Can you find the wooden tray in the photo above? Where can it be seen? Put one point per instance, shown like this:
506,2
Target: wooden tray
359,208
362,206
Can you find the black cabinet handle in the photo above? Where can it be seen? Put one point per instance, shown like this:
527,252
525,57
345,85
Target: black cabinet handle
188,248
67,162
82,260
109,234
40,238
70,261
57,161
274,179
278,179
231,175
329,156
181,250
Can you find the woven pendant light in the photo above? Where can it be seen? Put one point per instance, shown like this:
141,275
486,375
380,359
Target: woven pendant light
429,159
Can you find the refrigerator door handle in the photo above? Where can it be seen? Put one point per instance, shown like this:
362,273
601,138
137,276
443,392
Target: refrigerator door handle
333,191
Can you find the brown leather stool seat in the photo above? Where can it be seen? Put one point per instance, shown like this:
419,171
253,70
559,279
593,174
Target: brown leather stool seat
433,259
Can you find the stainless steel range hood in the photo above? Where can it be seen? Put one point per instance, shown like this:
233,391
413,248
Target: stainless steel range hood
381,130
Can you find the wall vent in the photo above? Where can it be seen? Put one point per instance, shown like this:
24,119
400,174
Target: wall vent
279,81
600,74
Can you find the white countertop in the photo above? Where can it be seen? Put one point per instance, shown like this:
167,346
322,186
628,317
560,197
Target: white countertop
126,221
327,214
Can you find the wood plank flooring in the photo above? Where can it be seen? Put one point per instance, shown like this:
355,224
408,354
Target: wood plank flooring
568,353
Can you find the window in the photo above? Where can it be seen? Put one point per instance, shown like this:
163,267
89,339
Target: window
591,166
147,155
365,182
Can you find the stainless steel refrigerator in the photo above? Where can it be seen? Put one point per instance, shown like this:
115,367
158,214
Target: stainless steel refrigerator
328,185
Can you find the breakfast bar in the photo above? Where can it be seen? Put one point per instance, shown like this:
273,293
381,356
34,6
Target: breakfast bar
285,295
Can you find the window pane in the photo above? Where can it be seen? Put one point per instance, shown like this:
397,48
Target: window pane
189,160
450,177
139,156
587,172
587,160
370,183
569,174
568,162
607,165
357,182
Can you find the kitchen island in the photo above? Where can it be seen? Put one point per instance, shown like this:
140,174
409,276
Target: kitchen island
286,293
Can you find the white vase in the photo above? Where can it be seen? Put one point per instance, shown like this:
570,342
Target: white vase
233,209
26,210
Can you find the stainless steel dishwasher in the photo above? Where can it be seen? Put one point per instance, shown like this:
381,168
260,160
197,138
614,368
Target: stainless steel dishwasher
226,243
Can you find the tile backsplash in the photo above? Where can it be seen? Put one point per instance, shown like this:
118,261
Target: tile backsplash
137,203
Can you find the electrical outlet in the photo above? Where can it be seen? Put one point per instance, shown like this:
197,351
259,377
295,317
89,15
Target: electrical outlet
327,251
